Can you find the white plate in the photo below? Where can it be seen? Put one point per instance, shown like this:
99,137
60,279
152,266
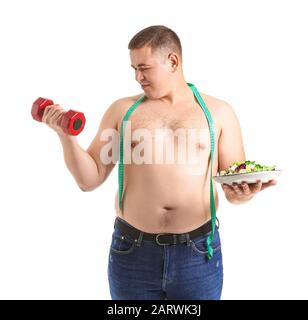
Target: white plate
251,177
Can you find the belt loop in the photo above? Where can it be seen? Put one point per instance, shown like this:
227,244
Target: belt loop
218,223
139,238
187,239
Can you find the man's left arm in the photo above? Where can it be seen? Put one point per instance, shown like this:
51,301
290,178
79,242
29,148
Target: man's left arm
230,150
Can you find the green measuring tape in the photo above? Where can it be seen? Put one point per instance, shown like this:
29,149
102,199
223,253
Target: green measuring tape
212,138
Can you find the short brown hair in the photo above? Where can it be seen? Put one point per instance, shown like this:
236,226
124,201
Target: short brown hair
157,37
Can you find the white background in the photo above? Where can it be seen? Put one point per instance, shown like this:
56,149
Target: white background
54,239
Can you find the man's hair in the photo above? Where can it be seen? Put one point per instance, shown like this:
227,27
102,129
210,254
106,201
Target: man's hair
157,38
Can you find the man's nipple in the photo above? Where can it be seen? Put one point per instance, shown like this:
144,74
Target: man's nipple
133,144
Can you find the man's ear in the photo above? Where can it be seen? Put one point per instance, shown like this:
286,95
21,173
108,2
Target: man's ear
174,60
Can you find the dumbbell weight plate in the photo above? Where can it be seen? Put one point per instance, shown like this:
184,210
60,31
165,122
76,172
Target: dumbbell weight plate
73,122
38,107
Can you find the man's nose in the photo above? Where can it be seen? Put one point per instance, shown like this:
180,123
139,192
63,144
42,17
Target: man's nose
138,76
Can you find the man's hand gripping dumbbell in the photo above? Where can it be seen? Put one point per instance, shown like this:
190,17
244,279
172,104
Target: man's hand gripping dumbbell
63,122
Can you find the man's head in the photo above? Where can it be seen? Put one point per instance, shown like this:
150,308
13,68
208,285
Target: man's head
156,56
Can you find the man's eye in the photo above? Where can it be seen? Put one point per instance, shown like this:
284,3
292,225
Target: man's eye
141,69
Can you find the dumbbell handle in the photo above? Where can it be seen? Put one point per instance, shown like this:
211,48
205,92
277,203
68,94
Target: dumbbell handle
72,121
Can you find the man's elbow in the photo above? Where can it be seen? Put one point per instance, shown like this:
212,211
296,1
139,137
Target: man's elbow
91,185
85,188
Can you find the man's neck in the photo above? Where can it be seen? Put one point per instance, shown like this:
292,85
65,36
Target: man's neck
179,93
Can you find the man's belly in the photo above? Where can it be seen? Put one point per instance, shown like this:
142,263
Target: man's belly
166,198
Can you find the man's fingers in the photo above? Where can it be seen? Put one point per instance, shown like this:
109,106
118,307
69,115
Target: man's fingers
257,187
57,120
51,114
237,190
224,186
269,184
246,188
48,111
228,189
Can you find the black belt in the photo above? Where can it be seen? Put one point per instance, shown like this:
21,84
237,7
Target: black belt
163,238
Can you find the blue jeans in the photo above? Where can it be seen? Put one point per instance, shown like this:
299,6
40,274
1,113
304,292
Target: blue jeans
143,270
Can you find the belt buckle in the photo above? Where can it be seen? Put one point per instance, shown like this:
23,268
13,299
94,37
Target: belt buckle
159,243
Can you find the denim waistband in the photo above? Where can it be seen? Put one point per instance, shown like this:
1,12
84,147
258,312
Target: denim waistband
167,238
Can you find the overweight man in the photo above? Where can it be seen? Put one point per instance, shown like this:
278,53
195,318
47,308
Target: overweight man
163,227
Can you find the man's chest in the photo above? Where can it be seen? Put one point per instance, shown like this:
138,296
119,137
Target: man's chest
185,118
182,126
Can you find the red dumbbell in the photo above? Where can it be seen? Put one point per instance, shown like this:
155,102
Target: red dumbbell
72,121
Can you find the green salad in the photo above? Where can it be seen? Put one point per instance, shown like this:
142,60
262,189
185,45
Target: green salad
245,167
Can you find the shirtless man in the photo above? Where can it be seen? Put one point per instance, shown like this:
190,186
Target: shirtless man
162,198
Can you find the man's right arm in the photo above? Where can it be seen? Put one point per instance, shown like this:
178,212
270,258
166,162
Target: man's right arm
85,165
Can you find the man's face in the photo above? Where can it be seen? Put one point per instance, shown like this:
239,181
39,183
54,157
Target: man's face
152,71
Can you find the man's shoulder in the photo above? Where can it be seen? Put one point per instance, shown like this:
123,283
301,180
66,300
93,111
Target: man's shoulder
213,102
122,104
221,110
